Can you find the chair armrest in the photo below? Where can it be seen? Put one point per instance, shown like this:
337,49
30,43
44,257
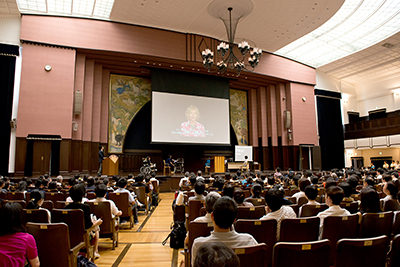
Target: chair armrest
187,258
74,253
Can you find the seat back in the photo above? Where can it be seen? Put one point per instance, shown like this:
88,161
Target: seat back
263,231
294,191
395,252
338,227
54,196
90,195
202,211
366,252
46,236
293,199
302,254
295,208
140,192
179,213
250,212
103,210
3,195
376,224
312,210
256,201
194,207
391,205
396,224
252,255
246,193
299,229
156,187
74,220
197,229
352,207
35,215
121,200
48,204
16,196
302,201
60,204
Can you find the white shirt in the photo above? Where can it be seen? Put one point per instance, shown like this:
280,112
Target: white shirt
285,212
114,209
197,197
334,210
183,181
298,195
232,239
206,218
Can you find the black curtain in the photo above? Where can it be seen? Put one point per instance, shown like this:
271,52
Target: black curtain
8,55
330,129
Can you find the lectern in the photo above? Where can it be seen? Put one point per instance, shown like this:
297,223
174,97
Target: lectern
110,166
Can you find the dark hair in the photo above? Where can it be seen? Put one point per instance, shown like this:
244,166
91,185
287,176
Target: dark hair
274,199
216,254
199,187
71,181
369,200
90,181
257,188
296,179
303,182
347,190
122,183
77,192
35,197
271,180
225,211
228,190
192,179
11,219
387,177
311,192
211,198
330,182
370,181
238,195
353,181
199,173
22,186
100,190
52,185
393,189
335,193
314,179
220,183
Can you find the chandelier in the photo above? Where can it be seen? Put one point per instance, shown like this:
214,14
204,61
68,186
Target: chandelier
225,50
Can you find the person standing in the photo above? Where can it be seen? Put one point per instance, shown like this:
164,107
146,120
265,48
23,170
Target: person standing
101,158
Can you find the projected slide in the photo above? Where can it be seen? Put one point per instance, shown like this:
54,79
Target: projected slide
178,118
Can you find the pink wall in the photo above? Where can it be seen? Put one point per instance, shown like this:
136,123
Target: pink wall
46,98
303,114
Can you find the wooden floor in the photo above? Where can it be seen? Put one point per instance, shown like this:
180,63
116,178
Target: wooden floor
141,245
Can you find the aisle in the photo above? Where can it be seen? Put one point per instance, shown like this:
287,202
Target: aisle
141,246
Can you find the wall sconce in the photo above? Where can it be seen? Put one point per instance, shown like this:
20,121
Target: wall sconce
47,68
289,134
75,126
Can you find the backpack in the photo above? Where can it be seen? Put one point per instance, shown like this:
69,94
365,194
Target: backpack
177,235
84,262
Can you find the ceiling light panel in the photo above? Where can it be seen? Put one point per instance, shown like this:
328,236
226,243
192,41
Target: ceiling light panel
357,25
32,5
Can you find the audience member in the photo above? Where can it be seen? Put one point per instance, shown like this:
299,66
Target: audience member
216,254
369,201
238,196
101,191
303,183
223,216
122,183
390,202
36,202
333,196
347,190
199,189
275,210
16,246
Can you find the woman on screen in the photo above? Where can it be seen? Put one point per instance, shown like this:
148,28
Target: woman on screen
192,127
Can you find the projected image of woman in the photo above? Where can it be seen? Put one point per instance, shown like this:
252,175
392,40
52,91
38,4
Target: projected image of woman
192,127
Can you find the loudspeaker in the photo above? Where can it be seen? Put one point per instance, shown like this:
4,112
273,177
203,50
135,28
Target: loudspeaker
287,118
78,103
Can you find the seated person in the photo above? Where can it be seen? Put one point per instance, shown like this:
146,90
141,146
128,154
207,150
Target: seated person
369,181
390,202
347,192
223,216
183,181
16,246
311,192
101,192
90,184
208,162
245,164
256,190
76,193
333,196
140,181
238,196
216,254
169,162
275,210
270,182
199,189
228,190
303,183
122,183
36,202
210,200
369,201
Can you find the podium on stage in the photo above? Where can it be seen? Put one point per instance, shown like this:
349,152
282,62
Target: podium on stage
219,164
110,165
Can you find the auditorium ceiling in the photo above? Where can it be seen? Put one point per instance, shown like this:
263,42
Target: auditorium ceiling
272,25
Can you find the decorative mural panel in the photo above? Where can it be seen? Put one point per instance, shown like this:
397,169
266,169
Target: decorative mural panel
128,94
238,105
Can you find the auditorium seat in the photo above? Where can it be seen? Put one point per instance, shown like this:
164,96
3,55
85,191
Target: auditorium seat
302,254
299,229
121,200
376,224
263,231
309,210
250,212
252,255
365,252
